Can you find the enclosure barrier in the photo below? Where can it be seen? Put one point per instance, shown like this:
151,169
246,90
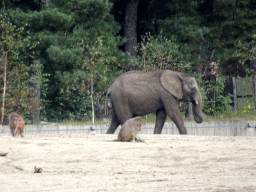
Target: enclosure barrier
230,128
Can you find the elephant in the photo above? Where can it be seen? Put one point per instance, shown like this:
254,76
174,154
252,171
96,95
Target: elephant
137,93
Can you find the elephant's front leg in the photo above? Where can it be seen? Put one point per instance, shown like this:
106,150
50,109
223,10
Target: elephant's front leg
173,111
180,124
160,120
178,120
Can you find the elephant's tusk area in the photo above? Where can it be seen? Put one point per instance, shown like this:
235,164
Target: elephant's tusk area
197,102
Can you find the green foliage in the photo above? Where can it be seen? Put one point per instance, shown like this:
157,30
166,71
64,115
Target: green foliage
232,29
231,115
220,102
207,31
16,49
158,53
187,31
78,46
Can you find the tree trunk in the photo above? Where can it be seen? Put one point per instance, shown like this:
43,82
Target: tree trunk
199,58
4,91
42,3
130,26
92,100
36,85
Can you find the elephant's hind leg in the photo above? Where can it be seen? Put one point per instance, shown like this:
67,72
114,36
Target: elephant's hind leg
114,123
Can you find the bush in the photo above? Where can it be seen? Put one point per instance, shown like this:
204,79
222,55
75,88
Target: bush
220,101
158,53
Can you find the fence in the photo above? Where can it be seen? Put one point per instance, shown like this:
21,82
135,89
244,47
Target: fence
204,129
244,91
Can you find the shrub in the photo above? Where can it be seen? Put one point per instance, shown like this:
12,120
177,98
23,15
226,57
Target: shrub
220,101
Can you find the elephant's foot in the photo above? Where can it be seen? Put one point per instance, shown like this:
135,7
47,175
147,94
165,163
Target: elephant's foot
158,131
183,132
109,131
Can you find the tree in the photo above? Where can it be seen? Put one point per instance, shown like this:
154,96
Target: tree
61,27
130,26
232,29
15,51
8,35
95,67
184,26
160,53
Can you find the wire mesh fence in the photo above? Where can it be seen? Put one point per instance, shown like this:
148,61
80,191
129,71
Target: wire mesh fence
233,128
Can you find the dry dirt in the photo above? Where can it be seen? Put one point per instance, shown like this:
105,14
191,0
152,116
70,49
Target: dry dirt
83,162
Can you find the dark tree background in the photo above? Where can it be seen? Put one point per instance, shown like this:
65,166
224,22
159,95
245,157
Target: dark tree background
73,49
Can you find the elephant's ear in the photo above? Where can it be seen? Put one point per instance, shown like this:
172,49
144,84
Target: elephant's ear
172,82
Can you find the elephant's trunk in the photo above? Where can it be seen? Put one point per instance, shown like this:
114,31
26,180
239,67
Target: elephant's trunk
197,110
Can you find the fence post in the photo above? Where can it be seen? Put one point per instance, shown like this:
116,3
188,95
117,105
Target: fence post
234,93
254,87
235,131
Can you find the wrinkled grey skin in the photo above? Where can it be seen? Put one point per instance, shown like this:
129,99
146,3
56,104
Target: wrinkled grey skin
137,93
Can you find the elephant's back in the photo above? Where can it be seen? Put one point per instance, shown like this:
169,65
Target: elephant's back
137,83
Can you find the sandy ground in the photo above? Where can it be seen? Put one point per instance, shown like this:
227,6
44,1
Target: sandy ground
83,162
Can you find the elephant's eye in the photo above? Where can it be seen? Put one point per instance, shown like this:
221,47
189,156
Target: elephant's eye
193,89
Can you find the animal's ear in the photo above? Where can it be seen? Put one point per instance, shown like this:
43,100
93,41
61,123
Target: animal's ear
172,82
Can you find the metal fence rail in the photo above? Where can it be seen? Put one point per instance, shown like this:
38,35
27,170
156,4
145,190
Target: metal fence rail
207,128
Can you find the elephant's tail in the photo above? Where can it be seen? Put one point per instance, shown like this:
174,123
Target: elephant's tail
106,101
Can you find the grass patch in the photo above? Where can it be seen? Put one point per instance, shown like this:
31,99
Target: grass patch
233,116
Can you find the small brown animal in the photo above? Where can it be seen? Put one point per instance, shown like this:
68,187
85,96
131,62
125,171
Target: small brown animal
129,130
16,124
38,170
3,154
